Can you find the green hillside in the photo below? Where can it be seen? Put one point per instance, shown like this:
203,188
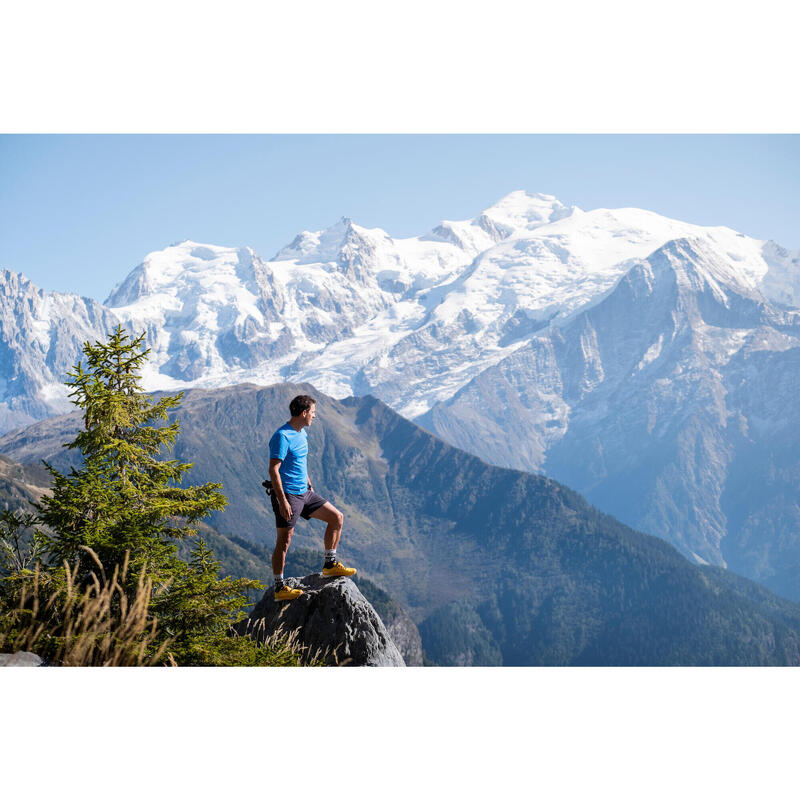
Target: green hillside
495,566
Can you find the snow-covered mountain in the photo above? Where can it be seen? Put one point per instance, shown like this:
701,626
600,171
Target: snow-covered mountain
353,310
651,401
603,347
40,337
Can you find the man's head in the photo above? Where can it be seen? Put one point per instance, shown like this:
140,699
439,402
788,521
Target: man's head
303,408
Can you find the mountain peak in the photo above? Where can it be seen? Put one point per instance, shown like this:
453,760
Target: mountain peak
522,210
185,261
325,245
693,257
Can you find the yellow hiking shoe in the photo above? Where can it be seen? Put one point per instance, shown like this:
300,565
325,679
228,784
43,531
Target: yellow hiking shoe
287,593
338,570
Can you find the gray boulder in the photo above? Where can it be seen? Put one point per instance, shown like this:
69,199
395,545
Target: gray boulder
332,619
21,659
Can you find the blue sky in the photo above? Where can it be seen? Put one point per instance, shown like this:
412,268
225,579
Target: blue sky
78,212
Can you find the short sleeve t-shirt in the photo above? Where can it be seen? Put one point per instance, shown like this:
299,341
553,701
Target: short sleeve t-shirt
291,447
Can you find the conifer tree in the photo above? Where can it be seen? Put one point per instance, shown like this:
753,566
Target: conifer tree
125,496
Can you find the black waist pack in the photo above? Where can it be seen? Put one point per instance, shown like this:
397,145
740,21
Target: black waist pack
267,484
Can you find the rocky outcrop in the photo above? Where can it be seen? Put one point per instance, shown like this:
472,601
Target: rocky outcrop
332,619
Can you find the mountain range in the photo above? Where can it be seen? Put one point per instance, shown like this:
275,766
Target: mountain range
648,363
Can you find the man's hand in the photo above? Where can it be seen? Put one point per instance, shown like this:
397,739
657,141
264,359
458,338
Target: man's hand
277,487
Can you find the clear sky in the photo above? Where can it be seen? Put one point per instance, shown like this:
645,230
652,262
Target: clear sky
78,212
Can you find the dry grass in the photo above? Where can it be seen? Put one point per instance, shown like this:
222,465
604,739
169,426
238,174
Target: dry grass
289,642
101,626
97,627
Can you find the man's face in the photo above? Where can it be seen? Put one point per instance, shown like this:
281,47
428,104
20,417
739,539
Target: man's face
308,415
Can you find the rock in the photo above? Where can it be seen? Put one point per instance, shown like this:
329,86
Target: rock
21,659
332,618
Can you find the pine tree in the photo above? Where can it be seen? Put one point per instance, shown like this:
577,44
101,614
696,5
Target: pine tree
125,496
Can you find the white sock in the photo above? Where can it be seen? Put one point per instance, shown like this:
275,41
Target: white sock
278,578
330,555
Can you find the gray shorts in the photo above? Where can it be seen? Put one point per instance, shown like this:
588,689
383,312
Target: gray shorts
303,505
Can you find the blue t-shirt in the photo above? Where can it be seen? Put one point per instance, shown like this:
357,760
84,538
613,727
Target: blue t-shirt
291,447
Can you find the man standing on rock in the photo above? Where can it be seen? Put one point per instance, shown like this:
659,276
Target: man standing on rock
293,496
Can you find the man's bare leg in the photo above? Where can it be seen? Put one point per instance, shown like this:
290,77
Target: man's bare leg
333,532
281,548
282,590
335,520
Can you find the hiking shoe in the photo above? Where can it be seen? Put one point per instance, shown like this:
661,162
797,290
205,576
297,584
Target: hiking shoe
287,593
337,570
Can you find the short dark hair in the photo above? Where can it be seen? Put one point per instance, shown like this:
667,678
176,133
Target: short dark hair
300,404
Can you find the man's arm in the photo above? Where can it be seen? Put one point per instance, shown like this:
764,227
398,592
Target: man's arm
277,487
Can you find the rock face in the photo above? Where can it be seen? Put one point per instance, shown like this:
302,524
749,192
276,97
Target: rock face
333,618
21,659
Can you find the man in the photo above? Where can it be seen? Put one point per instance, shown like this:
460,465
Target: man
293,496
